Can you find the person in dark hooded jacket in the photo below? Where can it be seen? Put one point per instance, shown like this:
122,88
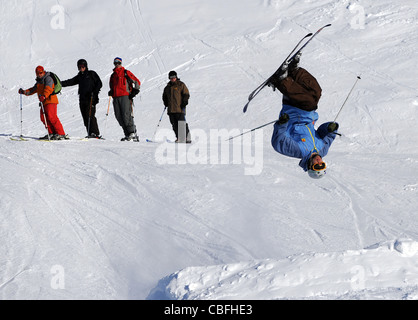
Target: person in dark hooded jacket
176,98
89,85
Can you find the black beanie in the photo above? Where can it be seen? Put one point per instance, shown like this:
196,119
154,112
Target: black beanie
82,62
172,74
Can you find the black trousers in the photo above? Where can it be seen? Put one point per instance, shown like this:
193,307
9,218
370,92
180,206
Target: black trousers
182,133
89,117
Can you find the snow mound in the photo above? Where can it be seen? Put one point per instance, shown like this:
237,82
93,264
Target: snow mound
388,269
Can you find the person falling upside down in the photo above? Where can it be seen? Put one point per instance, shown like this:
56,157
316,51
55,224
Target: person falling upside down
294,133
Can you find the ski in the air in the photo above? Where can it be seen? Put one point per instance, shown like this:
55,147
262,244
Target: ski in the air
289,58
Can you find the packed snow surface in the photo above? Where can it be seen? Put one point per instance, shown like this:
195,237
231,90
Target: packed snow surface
107,219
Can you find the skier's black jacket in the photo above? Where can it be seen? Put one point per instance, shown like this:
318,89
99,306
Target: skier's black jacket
88,82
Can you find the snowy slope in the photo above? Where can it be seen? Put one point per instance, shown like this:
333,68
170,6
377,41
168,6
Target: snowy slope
108,220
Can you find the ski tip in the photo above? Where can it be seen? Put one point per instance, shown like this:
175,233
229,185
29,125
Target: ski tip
328,25
245,108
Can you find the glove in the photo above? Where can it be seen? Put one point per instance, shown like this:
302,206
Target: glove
333,126
284,118
110,94
21,91
184,104
133,93
42,99
95,99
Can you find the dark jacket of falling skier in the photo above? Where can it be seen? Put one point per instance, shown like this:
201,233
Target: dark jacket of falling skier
300,89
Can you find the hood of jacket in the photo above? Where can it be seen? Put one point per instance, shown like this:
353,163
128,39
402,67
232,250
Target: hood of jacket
42,80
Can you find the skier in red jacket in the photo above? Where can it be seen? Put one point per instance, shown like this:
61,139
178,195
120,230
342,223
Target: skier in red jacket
124,86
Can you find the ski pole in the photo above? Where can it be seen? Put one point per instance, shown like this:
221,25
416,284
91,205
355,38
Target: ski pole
264,125
88,125
107,114
358,78
21,117
159,122
108,107
133,116
45,122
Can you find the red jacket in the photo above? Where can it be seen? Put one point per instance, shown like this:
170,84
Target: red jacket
119,85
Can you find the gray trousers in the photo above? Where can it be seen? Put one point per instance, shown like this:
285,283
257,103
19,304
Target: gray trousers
124,114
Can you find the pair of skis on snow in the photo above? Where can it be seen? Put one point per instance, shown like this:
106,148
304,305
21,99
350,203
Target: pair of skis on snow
289,58
22,138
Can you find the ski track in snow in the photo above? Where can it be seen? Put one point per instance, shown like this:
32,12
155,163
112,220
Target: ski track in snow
146,33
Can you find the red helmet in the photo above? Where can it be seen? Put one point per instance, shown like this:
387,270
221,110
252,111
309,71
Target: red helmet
39,70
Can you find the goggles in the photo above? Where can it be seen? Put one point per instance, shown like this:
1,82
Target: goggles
319,166
173,77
